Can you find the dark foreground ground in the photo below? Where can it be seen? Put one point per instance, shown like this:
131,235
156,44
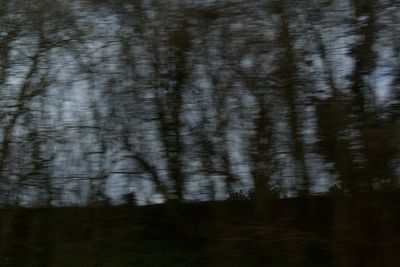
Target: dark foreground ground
362,230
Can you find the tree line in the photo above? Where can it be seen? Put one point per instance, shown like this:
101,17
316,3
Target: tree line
102,100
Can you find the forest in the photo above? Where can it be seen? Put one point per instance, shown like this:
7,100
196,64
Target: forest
276,120
191,101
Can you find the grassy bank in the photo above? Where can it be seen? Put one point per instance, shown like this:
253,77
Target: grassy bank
340,230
